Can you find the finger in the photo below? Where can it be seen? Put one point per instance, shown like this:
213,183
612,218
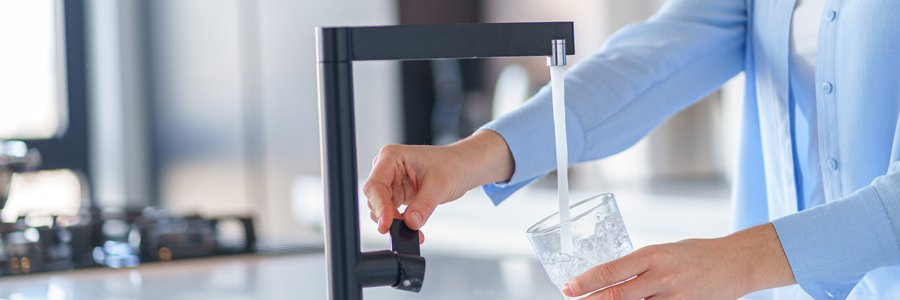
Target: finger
417,212
374,217
608,274
637,288
400,193
377,190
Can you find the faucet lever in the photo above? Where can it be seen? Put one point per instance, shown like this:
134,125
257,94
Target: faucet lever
401,268
405,243
403,239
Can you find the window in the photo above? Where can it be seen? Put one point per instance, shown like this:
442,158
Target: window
33,100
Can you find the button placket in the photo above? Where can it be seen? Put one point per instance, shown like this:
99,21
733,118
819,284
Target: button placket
827,103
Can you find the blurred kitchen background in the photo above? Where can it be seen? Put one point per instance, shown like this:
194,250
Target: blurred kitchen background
205,111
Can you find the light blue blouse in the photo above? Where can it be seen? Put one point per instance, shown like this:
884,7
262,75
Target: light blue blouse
648,71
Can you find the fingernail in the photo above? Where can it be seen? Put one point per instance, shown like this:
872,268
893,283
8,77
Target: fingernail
416,218
567,290
379,224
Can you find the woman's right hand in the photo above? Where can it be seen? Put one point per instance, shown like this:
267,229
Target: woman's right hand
423,177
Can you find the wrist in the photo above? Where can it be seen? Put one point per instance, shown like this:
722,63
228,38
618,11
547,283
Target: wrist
759,258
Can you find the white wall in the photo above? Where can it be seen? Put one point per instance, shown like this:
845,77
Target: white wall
200,66
289,89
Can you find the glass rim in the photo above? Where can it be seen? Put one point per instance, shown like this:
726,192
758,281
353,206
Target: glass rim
533,230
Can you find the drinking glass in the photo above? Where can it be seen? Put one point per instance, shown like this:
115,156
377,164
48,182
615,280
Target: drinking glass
598,236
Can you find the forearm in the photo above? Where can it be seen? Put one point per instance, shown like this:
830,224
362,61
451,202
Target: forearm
486,157
722,268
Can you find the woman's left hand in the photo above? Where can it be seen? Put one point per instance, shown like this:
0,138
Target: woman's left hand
723,268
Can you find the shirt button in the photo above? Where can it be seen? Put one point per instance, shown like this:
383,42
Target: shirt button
831,15
826,87
832,163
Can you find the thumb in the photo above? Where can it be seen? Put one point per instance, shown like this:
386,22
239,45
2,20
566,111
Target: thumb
417,212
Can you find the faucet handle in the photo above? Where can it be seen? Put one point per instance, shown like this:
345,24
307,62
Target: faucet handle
401,268
403,239
405,243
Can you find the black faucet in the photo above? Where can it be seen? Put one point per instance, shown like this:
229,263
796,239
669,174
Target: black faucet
349,270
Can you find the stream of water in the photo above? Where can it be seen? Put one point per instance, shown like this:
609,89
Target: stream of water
562,156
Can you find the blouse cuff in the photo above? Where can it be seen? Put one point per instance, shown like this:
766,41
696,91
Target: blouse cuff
832,246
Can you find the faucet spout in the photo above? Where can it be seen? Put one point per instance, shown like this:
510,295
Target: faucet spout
558,55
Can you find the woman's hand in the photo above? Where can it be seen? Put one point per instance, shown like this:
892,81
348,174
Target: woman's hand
423,177
723,268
